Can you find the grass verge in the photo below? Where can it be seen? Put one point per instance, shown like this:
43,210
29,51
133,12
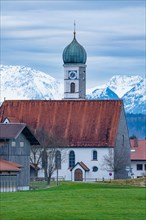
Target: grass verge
76,201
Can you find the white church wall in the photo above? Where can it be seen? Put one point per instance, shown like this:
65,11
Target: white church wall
86,156
71,95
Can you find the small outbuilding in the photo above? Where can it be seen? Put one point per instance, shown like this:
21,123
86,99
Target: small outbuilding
9,173
15,143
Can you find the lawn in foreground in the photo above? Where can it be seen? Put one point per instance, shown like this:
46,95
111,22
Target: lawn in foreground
74,201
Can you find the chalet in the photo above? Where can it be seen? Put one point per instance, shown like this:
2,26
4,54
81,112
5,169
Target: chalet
92,133
138,157
15,143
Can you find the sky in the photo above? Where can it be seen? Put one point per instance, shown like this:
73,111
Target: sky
34,33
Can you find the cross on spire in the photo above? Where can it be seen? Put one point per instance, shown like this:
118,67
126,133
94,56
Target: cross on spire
74,28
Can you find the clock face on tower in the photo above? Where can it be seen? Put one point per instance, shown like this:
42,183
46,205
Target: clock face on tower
72,74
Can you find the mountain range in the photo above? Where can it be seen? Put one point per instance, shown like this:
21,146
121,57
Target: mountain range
20,82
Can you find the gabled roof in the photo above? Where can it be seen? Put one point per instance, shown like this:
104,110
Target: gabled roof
9,131
82,165
10,120
12,131
84,123
9,166
138,150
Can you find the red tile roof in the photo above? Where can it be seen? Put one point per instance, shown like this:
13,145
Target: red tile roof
82,165
9,166
78,123
138,151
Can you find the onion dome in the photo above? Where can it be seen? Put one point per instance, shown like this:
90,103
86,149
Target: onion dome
74,53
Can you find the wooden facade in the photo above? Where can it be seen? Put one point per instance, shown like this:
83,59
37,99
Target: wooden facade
15,144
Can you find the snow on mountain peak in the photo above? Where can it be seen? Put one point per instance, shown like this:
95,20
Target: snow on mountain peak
122,84
135,99
119,84
19,82
102,94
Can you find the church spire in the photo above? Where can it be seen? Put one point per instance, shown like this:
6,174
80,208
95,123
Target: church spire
74,58
74,29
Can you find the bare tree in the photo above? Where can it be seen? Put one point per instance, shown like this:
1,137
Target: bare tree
51,155
36,157
36,152
116,163
108,161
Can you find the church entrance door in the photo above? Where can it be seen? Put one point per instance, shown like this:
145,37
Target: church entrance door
78,175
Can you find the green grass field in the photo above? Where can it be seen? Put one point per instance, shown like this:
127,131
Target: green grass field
76,201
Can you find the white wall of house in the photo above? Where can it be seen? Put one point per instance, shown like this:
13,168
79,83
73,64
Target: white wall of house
138,168
86,156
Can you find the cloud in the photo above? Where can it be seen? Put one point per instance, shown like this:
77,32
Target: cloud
101,69
36,32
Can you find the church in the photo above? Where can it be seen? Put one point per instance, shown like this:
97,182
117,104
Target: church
92,135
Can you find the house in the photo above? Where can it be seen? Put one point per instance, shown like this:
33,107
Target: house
138,157
91,135
15,143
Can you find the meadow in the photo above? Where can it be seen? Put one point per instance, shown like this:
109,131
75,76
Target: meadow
76,201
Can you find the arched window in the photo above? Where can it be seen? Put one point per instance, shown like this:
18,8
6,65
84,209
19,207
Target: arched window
94,155
44,159
58,160
71,159
72,87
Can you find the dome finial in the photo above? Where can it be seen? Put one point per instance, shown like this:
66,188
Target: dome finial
74,52
74,28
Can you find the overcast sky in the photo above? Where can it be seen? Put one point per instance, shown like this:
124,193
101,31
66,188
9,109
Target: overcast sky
34,33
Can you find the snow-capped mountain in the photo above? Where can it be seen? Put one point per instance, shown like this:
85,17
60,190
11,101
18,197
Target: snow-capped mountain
102,93
131,89
135,99
19,82
120,85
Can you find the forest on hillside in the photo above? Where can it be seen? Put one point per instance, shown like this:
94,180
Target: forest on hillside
137,125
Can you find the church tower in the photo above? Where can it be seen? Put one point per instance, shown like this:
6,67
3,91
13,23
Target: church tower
74,58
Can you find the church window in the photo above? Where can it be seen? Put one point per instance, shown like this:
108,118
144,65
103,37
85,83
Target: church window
94,155
95,169
71,159
44,159
58,160
72,87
